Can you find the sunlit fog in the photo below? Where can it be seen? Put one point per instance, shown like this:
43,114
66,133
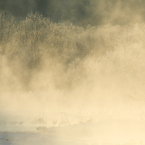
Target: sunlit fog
72,72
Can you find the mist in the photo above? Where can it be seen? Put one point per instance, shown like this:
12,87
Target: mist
89,64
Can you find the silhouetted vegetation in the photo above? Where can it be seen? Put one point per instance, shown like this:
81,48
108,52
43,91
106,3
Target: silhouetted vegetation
30,46
29,41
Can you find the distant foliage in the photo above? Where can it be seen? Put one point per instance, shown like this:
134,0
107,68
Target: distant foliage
64,52
37,36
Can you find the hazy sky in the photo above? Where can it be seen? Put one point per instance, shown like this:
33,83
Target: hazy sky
82,12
